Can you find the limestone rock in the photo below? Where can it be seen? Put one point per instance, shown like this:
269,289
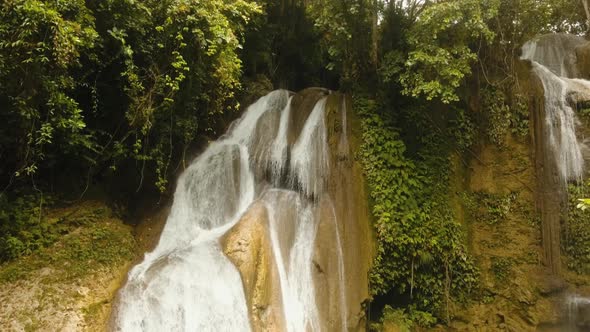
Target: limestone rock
552,285
583,60
248,246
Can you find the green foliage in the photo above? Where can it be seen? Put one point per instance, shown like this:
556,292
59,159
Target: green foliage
403,320
503,116
497,111
40,47
100,83
84,239
440,56
419,245
347,29
284,45
576,231
98,244
489,208
463,129
399,317
22,228
26,228
519,117
583,204
502,268
584,112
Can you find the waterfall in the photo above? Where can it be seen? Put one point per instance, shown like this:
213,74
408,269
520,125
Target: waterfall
343,148
293,228
554,62
577,311
309,156
558,149
187,283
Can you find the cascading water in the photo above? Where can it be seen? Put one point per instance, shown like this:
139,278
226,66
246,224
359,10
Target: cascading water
343,148
578,309
293,228
187,283
559,150
554,62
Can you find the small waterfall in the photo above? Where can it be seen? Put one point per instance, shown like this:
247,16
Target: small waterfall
280,145
554,62
561,123
310,155
293,227
186,283
555,52
578,309
343,148
341,273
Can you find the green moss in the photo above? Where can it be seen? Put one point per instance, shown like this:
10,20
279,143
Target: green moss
94,240
489,208
93,311
576,232
502,268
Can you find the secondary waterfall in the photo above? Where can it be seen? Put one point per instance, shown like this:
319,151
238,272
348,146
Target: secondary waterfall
187,283
559,147
554,61
578,308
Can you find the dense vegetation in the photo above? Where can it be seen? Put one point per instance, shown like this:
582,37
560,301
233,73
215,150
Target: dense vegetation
421,249
121,91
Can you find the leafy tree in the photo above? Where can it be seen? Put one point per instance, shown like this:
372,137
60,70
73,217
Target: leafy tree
443,41
93,83
347,28
284,46
40,47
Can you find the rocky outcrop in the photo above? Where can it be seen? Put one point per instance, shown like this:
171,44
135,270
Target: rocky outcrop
248,246
343,246
583,60
344,211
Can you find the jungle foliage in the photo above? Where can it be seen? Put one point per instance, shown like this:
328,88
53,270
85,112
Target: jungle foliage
421,252
121,89
91,84
576,234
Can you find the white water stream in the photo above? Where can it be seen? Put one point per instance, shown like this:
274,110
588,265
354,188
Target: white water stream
554,61
186,283
575,311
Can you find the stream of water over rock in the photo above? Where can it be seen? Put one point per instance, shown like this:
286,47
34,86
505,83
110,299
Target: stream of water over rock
554,61
187,283
559,147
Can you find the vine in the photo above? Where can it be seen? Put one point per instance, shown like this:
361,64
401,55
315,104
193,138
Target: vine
420,247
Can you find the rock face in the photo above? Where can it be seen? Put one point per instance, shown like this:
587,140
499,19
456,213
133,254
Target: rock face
346,188
550,193
583,57
532,297
558,61
248,246
343,249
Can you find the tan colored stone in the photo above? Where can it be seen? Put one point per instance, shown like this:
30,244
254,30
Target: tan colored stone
248,246
583,60
344,208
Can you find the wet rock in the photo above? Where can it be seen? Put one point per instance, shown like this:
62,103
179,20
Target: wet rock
583,60
248,246
551,285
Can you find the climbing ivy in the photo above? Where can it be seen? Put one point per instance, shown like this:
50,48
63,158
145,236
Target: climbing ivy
503,116
420,247
576,233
